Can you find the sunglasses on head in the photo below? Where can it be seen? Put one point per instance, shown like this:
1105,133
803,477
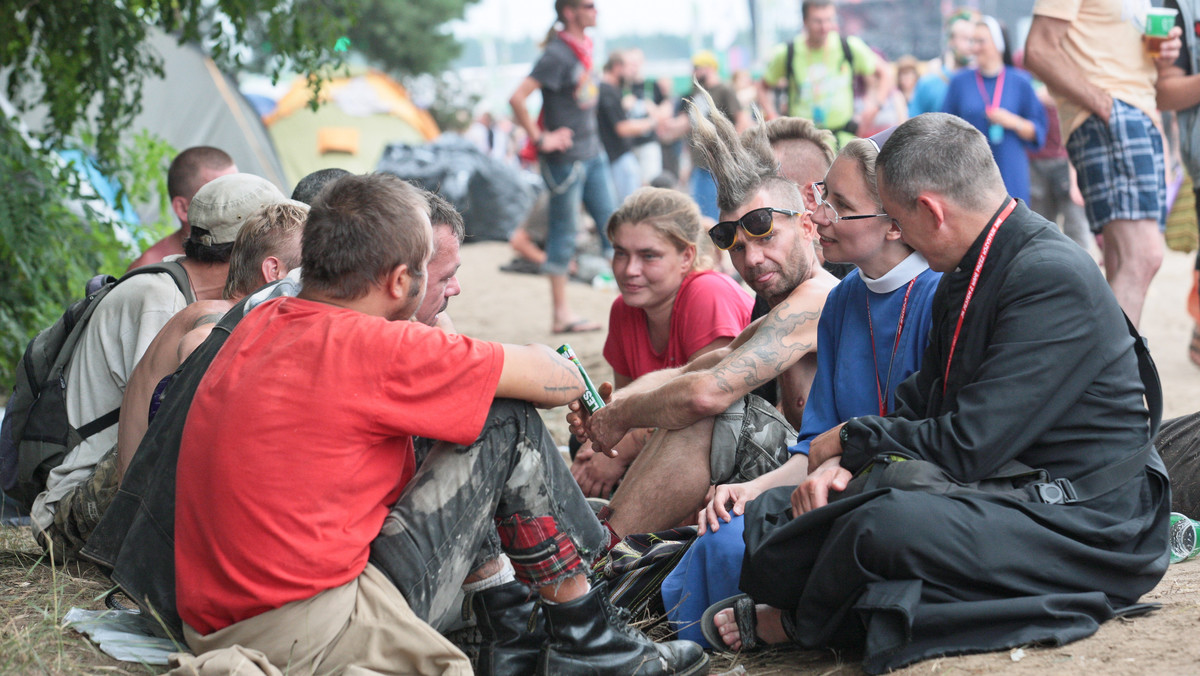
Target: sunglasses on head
757,223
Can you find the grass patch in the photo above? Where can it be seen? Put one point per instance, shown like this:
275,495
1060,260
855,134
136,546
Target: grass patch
33,598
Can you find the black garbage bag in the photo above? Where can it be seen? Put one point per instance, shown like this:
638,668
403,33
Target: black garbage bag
492,197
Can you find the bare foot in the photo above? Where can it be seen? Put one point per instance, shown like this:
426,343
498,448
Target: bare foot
769,629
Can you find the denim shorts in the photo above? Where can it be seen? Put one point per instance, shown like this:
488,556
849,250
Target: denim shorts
749,439
1121,167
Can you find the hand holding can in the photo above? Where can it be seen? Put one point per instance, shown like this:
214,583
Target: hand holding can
591,397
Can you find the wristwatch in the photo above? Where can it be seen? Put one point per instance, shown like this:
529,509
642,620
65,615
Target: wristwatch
844,433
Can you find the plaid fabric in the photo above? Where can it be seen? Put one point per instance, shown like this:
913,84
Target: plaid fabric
541,554
1121,170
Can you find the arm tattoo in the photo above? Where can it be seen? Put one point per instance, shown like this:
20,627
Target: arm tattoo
774,348
564,378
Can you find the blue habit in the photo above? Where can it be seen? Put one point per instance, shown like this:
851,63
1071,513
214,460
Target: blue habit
964,99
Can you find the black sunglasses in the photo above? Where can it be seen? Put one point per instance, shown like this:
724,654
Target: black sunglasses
757,223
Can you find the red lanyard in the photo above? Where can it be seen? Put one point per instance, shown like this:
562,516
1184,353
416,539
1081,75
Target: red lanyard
896,345
996,93
983,253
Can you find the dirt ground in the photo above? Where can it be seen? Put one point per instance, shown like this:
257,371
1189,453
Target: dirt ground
1162,642
515,308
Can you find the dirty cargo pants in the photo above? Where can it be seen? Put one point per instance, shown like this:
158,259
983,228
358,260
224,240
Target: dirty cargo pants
511,481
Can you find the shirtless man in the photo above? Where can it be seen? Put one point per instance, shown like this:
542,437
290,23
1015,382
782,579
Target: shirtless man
266,248
804,153
711,429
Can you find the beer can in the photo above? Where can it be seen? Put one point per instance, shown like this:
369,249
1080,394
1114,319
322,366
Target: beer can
591,397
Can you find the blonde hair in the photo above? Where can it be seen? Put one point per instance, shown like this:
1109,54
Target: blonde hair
273,230
864,153
671,213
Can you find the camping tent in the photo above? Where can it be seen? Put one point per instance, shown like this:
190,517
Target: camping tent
358,116
196,104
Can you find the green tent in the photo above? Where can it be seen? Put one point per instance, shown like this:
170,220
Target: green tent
358,117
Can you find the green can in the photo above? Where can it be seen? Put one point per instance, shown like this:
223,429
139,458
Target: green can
1183,540
591,397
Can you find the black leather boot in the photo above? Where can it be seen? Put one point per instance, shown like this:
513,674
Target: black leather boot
512,629
589,636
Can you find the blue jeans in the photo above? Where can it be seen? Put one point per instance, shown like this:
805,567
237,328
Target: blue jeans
511,480
704,191
570,183
627,176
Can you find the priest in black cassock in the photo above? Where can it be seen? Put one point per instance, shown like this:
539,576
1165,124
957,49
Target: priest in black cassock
1030,359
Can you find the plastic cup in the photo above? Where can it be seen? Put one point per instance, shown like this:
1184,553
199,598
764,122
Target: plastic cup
1159,22
1183,542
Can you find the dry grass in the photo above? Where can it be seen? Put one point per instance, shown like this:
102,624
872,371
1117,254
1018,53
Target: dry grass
33,598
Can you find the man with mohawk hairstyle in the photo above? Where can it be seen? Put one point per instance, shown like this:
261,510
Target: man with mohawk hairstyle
711,429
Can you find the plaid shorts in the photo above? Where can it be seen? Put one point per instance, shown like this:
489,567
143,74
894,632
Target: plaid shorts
750,438
1121,169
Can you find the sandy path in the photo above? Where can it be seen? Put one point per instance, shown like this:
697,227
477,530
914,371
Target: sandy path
515,308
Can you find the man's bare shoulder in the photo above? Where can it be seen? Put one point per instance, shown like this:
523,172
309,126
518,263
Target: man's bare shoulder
810,295
170,245
197,314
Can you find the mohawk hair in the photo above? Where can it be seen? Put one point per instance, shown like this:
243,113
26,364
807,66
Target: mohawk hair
740,165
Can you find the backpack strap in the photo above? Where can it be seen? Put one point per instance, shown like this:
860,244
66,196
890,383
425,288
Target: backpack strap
847,55
1110,477
791,77
179,275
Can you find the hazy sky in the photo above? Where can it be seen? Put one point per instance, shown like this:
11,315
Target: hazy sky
516,19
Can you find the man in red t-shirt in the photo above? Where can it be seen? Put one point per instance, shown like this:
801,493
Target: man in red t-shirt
304,529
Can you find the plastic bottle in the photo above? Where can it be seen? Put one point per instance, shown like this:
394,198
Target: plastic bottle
1183,541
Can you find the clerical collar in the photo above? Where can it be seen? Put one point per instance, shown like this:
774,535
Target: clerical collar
902,274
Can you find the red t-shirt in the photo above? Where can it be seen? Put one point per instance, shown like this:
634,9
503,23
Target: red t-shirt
299,441
709,306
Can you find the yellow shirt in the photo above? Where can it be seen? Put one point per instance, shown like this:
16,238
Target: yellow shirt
1105,42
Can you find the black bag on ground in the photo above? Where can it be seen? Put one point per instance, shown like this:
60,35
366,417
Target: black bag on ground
36,434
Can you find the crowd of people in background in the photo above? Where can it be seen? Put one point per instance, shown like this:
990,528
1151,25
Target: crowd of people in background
856,298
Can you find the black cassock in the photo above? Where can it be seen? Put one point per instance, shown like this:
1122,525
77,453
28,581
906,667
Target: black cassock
1044,372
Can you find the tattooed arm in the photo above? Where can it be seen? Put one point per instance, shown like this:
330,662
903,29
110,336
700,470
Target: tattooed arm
778,342
539,375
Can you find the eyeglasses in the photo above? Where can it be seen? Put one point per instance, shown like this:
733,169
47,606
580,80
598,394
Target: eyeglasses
588,5
757,223
826,209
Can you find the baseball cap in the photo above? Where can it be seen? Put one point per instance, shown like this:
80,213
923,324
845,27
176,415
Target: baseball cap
220,207
705,59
